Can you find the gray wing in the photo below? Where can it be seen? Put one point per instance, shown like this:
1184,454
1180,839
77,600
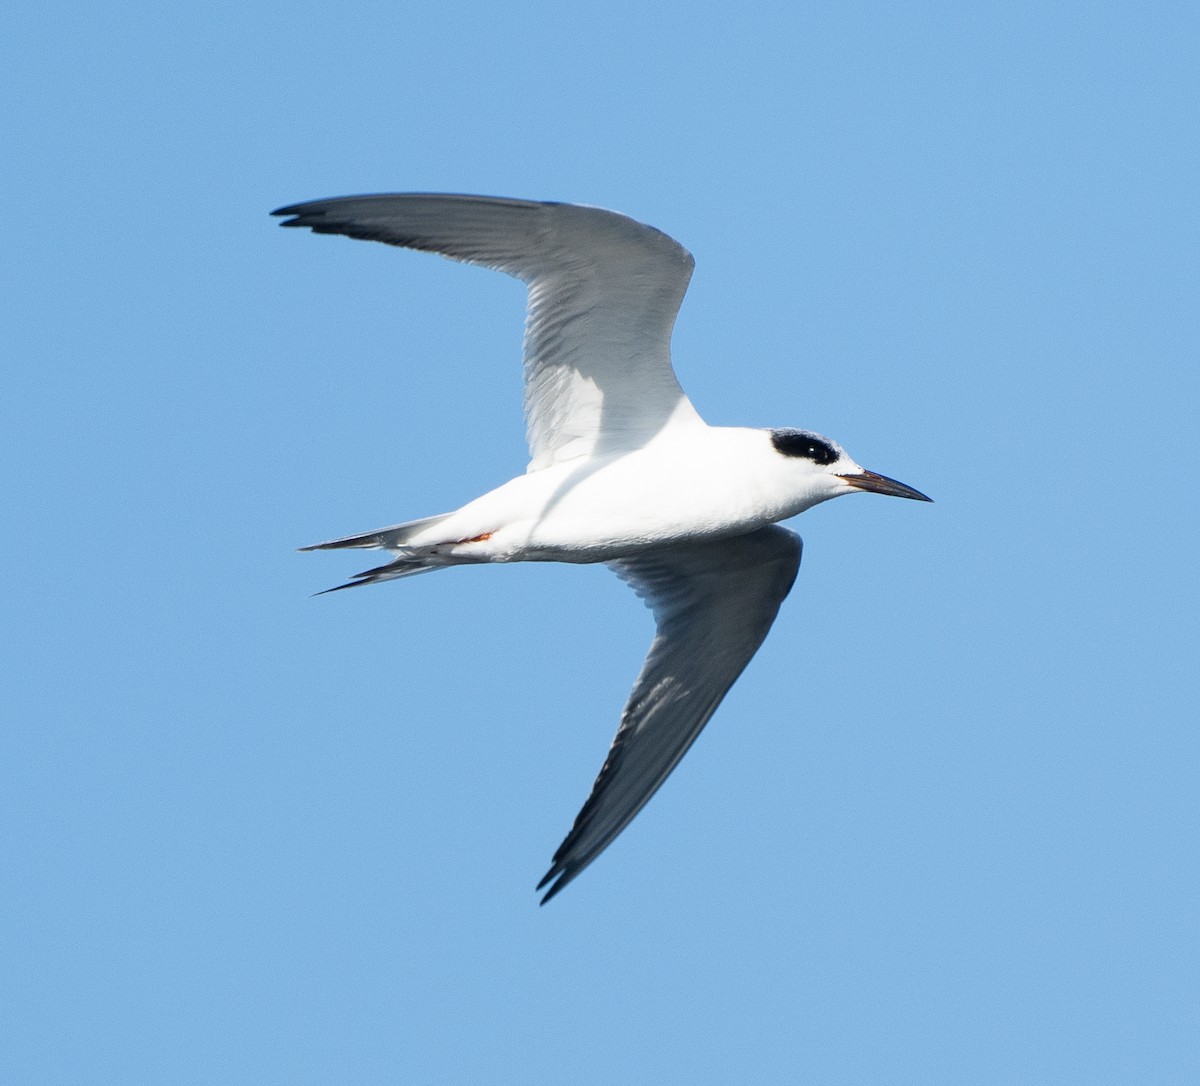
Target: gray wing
714,603
604,291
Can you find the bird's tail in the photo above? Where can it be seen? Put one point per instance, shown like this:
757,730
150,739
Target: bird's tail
396,538
393,538
408,566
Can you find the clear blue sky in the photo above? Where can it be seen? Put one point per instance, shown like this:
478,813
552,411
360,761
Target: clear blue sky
943,830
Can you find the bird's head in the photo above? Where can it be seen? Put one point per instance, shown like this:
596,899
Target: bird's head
824,469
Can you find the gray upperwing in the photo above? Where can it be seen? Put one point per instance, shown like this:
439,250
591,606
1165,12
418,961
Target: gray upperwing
604,291
714,603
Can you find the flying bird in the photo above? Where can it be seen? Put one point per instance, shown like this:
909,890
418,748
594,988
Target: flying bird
622,469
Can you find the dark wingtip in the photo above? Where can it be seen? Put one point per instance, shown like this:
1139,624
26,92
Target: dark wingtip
562,874
549,894
302,215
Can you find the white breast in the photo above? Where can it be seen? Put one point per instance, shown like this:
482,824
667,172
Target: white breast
716,481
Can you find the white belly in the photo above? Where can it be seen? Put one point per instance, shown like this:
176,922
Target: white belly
719,483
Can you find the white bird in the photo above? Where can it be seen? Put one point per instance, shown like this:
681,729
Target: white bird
622,471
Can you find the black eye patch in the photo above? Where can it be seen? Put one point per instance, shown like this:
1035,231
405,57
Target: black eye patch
802,443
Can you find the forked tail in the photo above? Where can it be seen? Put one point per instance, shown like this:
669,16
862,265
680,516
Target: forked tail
394,538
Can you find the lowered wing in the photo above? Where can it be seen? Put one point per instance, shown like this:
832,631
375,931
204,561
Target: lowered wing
714,603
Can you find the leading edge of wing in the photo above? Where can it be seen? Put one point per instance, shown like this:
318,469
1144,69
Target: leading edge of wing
489,230
714,603
512,235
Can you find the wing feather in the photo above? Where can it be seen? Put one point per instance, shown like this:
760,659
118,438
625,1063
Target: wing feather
714,603
604,292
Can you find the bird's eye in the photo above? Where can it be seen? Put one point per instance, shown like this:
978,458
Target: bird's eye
803,444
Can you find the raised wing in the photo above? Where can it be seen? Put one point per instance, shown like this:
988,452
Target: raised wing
714,603
603,294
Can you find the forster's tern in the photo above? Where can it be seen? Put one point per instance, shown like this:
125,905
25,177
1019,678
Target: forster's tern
622,470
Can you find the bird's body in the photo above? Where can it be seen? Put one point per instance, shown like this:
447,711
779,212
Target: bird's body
623,470
709,482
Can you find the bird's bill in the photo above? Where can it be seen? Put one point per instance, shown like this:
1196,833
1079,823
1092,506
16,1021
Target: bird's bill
881,484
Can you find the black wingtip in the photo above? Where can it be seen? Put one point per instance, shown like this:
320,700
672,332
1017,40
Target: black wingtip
303,215
562,875
549,894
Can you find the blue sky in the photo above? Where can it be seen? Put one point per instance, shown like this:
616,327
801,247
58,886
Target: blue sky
944,828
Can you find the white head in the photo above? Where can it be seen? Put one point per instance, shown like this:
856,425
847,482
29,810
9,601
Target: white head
821,466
